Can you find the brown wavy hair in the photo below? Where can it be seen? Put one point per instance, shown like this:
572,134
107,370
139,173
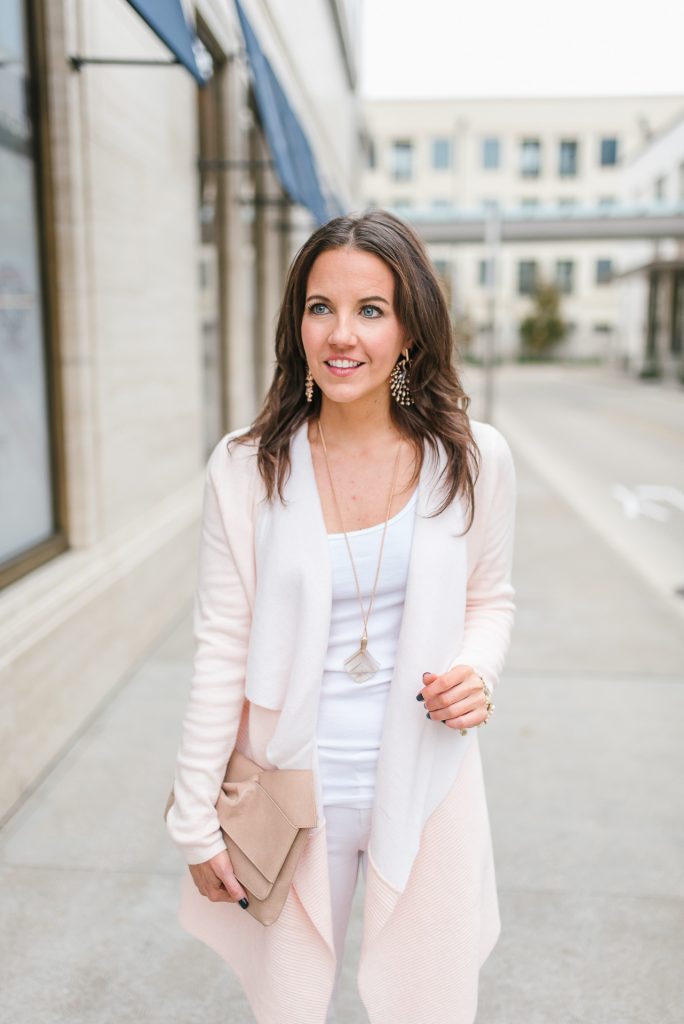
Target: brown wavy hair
440,408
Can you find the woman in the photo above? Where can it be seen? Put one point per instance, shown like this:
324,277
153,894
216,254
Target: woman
352,615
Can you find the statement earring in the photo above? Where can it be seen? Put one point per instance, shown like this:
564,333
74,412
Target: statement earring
309,384
399,380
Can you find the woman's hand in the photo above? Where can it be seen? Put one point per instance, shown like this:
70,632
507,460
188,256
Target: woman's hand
216,880
457,697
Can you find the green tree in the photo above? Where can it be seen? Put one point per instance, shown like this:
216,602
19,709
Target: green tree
544,327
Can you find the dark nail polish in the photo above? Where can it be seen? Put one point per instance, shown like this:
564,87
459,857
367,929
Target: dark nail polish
419,696
427,714
244,903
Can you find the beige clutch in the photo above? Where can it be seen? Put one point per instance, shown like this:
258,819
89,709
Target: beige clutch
266,816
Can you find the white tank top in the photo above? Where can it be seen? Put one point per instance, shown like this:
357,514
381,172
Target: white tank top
351,714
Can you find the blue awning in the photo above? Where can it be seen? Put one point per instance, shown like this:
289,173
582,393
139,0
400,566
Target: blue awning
168,22
287,141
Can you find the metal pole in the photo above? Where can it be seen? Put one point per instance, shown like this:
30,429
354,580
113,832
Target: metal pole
492,247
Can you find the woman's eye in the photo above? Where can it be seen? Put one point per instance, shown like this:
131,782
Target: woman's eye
317,307
374,310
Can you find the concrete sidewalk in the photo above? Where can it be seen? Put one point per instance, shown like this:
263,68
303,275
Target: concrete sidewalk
583,763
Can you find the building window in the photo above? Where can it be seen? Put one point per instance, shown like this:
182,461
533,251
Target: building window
441,154
370,154
443,271
609,152
567,158
484,271
491,153
603,328
681,181
530,158
567,201
659,187
402,205
28,519
607,201
490,205
527,277
529,202
565,275
604,271
401,160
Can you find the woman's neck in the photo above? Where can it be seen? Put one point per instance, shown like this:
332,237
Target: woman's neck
352,427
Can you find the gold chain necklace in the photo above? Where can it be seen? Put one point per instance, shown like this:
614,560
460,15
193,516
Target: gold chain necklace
361,665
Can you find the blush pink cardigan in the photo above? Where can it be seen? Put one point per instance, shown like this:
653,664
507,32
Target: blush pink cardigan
262,607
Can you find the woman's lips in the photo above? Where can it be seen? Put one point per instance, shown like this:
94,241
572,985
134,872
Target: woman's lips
343,371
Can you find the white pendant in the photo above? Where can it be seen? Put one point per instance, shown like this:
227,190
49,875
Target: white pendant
361,665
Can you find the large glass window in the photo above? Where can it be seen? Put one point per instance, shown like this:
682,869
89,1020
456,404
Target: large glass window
491,153
401,160
567,158
441,154
530,158
26,485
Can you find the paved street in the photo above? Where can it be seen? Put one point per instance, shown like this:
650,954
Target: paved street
614,450
583,763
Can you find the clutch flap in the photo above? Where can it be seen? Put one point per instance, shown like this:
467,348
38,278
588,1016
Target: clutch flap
291,788
257,826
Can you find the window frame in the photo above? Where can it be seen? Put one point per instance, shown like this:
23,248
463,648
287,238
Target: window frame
483,153
573,170
535,277
560,282
409,146
601,279
529,141
602,142
441,140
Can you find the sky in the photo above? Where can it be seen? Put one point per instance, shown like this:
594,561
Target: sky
427,48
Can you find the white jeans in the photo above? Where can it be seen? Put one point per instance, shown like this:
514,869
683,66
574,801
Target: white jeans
347,833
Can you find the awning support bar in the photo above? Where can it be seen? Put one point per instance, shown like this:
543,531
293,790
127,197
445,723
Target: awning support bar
77,62
233,165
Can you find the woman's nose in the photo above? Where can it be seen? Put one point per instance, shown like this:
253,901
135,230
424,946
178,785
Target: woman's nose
342,330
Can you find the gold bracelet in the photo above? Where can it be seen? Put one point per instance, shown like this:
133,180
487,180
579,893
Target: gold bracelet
488,699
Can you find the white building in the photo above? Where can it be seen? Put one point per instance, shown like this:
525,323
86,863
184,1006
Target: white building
650,284
457,156
145,227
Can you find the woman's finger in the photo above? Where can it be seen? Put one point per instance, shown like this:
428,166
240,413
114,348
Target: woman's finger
452,703
472,718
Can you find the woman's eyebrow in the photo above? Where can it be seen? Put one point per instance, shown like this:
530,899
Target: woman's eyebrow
368,298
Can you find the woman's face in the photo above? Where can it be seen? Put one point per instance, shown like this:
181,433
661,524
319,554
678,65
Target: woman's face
349,316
